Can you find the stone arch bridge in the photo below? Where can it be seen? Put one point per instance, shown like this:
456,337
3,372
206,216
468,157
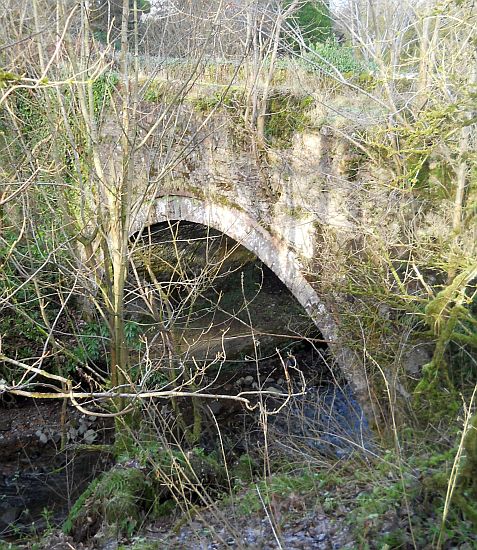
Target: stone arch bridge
275,203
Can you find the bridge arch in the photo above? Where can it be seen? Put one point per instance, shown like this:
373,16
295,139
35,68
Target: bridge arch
274,253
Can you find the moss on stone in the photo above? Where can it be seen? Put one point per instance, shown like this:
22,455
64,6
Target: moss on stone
162,91
190,470
231,98
245,469
77,509
287,114
222,200
117,500
205,104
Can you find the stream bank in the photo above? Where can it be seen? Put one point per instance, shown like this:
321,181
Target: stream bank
269,352
39,482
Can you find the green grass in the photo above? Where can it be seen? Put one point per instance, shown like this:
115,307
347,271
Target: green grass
280,486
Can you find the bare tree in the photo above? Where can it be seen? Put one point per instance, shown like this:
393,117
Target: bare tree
78,98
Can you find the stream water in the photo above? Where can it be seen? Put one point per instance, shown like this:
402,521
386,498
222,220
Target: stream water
258,327
38,482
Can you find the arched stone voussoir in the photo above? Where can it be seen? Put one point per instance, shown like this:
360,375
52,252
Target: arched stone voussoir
241,227
275,254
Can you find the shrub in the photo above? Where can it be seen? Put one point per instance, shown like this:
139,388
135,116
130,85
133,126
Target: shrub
22,329
330,56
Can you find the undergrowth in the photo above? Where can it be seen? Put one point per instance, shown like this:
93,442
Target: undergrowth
392,499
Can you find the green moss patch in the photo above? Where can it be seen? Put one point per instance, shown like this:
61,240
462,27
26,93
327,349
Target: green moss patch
287,114
118,500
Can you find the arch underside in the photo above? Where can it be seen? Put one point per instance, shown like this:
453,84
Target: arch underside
239,226
275,254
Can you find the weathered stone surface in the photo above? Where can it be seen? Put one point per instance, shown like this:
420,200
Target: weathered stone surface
275,203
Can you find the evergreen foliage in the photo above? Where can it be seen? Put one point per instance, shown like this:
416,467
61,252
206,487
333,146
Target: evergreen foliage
313,21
